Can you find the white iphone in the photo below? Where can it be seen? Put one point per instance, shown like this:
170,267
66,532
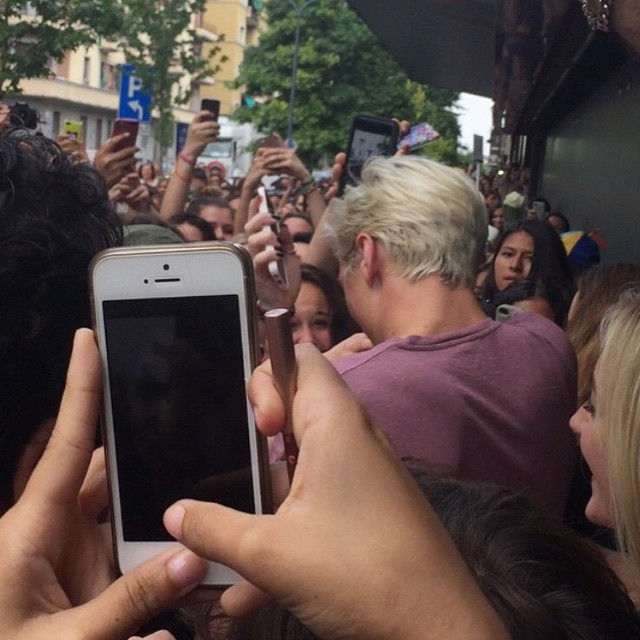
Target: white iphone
177,328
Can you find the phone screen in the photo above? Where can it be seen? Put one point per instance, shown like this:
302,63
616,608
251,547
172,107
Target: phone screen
73,129
369,137
212,106
179,407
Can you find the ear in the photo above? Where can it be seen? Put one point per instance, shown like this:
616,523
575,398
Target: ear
368,250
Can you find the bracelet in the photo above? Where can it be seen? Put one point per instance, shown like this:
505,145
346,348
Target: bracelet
598,20
187,158
308,187
177,174
262,309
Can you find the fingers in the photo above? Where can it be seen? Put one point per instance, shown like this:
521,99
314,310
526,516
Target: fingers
140,594
204,116
314,373
242,599
404,127
257,222
60,473
158,635
353,344
266,401
212,531
94,494
338,166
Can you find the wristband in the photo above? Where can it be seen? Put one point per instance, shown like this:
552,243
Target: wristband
598,19
187,158
308,187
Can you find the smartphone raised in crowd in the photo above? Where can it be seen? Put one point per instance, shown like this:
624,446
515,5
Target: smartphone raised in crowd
277,267
272,141
176,327
73,128
123,125
369,137
212,106
419,135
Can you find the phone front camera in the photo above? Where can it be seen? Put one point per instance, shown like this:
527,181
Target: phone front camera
146,281
166,267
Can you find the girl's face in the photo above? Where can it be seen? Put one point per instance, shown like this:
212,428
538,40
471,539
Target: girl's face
497,218
587,423
311,321
514,259
147,172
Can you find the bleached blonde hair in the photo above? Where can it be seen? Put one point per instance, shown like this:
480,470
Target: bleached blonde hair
619,400
430,219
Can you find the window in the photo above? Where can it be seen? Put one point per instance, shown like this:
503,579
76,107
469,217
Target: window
86,70
98,132
55,124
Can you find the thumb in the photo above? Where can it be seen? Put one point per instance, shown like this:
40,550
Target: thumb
140,594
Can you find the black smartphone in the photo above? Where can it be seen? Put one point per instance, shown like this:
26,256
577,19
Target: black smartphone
177,331
212,106
369,137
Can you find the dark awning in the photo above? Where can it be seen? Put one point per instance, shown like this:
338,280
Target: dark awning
443,43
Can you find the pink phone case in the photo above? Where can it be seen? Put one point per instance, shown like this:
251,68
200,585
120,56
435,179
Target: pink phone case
418,136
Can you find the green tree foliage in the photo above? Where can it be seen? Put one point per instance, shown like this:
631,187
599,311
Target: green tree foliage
158,40
50,28
343,70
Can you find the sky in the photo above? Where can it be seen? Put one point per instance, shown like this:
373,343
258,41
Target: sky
474,118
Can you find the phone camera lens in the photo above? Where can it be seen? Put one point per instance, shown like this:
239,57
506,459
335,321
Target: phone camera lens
166,267
146,281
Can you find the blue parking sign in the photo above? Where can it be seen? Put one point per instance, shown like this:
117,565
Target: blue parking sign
135,100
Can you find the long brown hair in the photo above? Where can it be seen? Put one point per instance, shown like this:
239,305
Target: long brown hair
598,289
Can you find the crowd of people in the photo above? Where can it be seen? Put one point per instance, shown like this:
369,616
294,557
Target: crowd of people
450,355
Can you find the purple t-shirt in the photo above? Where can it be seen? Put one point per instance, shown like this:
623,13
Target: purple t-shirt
490,402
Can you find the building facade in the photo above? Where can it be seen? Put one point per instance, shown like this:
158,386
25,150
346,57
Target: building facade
238,24
85,87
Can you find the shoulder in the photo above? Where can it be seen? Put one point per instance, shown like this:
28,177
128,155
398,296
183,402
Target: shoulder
374,357
535,329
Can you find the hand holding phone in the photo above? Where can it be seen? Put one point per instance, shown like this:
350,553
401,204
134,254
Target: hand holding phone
277,268
272,141
212,106
369,137
73,129
130,127
177,333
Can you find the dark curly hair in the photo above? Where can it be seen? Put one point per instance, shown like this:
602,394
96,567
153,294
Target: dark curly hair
55,215
542,580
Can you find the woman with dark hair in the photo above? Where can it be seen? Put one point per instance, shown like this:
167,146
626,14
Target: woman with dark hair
191,227
147,173
530,269
321,316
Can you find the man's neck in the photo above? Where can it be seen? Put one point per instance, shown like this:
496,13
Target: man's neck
424,308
